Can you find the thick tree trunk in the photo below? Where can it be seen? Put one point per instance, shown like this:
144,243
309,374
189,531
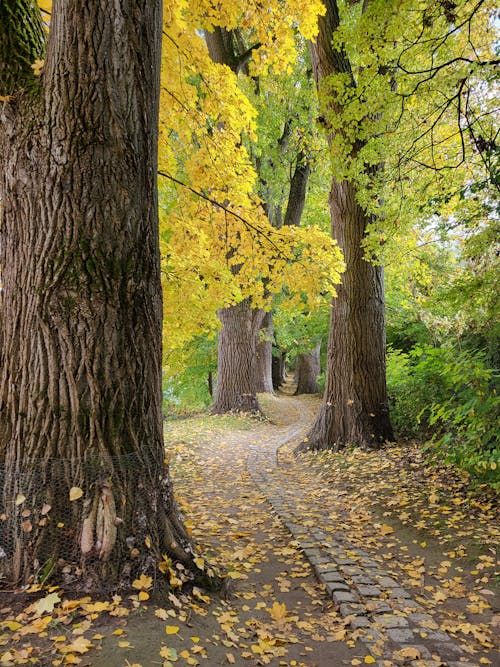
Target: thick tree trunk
355,405
308,367
264,354
80,383
237,367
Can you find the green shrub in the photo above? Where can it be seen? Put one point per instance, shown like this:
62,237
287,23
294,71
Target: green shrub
449,396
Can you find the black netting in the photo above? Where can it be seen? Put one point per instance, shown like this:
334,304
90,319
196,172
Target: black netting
68,515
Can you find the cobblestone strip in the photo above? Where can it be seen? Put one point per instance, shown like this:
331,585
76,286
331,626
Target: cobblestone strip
354,580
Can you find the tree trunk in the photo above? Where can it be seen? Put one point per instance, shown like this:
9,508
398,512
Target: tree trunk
308,368
278,369
297,192
237,367
83,484
355,405
264,353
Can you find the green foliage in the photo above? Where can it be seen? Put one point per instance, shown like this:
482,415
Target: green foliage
467,421
450,396
187,390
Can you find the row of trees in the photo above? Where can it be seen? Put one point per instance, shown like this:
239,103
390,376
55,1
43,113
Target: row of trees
92,115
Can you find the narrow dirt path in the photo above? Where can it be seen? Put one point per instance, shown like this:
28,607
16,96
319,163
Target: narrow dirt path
306,590
390,622
276,612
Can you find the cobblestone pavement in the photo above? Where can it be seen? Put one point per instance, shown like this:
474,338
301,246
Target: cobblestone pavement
376,605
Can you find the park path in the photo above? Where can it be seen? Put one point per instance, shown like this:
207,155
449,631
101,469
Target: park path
385,619
388,620
306,590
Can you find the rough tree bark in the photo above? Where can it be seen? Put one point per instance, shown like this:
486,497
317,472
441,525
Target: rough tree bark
264,353
236,365
308,367
355,406
297,192
80,379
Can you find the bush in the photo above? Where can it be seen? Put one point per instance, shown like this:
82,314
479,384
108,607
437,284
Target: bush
450,396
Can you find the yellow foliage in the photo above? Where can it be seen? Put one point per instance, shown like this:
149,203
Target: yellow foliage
217,244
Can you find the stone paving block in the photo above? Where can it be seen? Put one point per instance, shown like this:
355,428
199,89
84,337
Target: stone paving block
311,553
438,636
337,586
363,578
387,582
329,567
351,609
322,560
390,621
343,560
344,596
369,591
401,635
370,636
331,576
447,650
378,607
408,604
419,618
360,622
399,593
352,571
318,535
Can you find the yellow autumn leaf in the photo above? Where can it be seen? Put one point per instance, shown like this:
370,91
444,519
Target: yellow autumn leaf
199,562
80,645
143,596
75,492
11,625
278,612
410,652
230,658
169,653
143,583
20,498
369,659
37,67
46,605
386,529
172,629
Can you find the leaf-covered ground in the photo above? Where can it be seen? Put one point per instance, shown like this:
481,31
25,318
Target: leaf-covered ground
422,525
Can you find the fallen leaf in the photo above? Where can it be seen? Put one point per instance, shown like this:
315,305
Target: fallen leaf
75,492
